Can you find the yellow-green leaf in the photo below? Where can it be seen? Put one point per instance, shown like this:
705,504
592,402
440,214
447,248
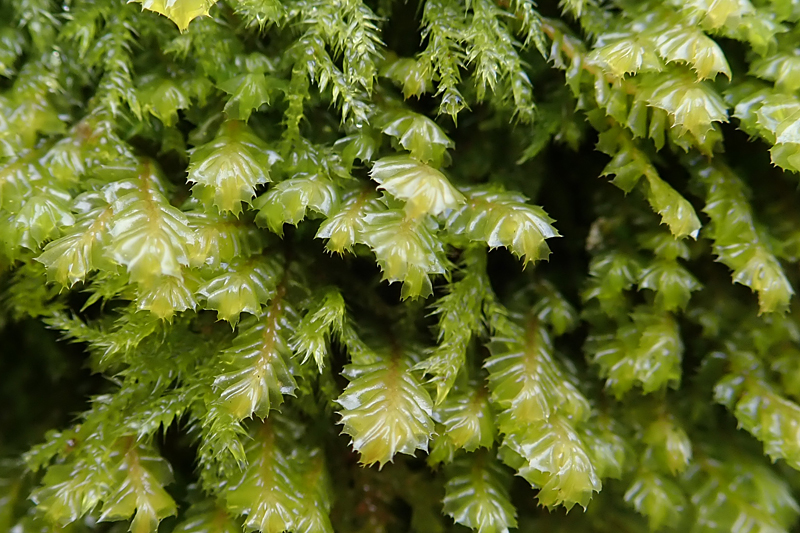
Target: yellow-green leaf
181,12
425,189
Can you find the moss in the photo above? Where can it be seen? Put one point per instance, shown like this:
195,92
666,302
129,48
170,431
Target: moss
378,266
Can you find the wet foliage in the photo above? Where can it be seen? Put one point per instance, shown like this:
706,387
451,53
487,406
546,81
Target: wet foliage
384,266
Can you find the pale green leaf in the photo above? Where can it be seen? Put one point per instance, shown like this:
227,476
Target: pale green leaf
324,321
425,189
526,383
672,283
147,235
255,374
138,490
345,227
290,200
693,105
243,287
477,496
406,250
418,134
167,295
503,219
467,417
385,410
658,498
231,166
248,92
181,12
626,56
692,46
552,457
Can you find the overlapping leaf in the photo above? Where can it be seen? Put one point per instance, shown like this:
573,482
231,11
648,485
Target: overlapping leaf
181,12
230,167
476,494
256,373
406,250
424,189
243,287
290,200
646,353
552,457
139,492
283,487
527,384
147,235
418,134
385,410
503,219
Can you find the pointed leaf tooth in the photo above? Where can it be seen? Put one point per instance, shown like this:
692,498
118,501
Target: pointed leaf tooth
138,490
269,492
163,98
71,258
467,417
248,92
345,227
693,105
672,283
629,164
362,145
692,46
772,112
220,239
168,295
324,321
626,56
147,235
410,74
646,353
676,212
460,314
526,383
43,215
716,14
611,274
737,242
68,491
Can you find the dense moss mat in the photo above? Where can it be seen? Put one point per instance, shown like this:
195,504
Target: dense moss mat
389,266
